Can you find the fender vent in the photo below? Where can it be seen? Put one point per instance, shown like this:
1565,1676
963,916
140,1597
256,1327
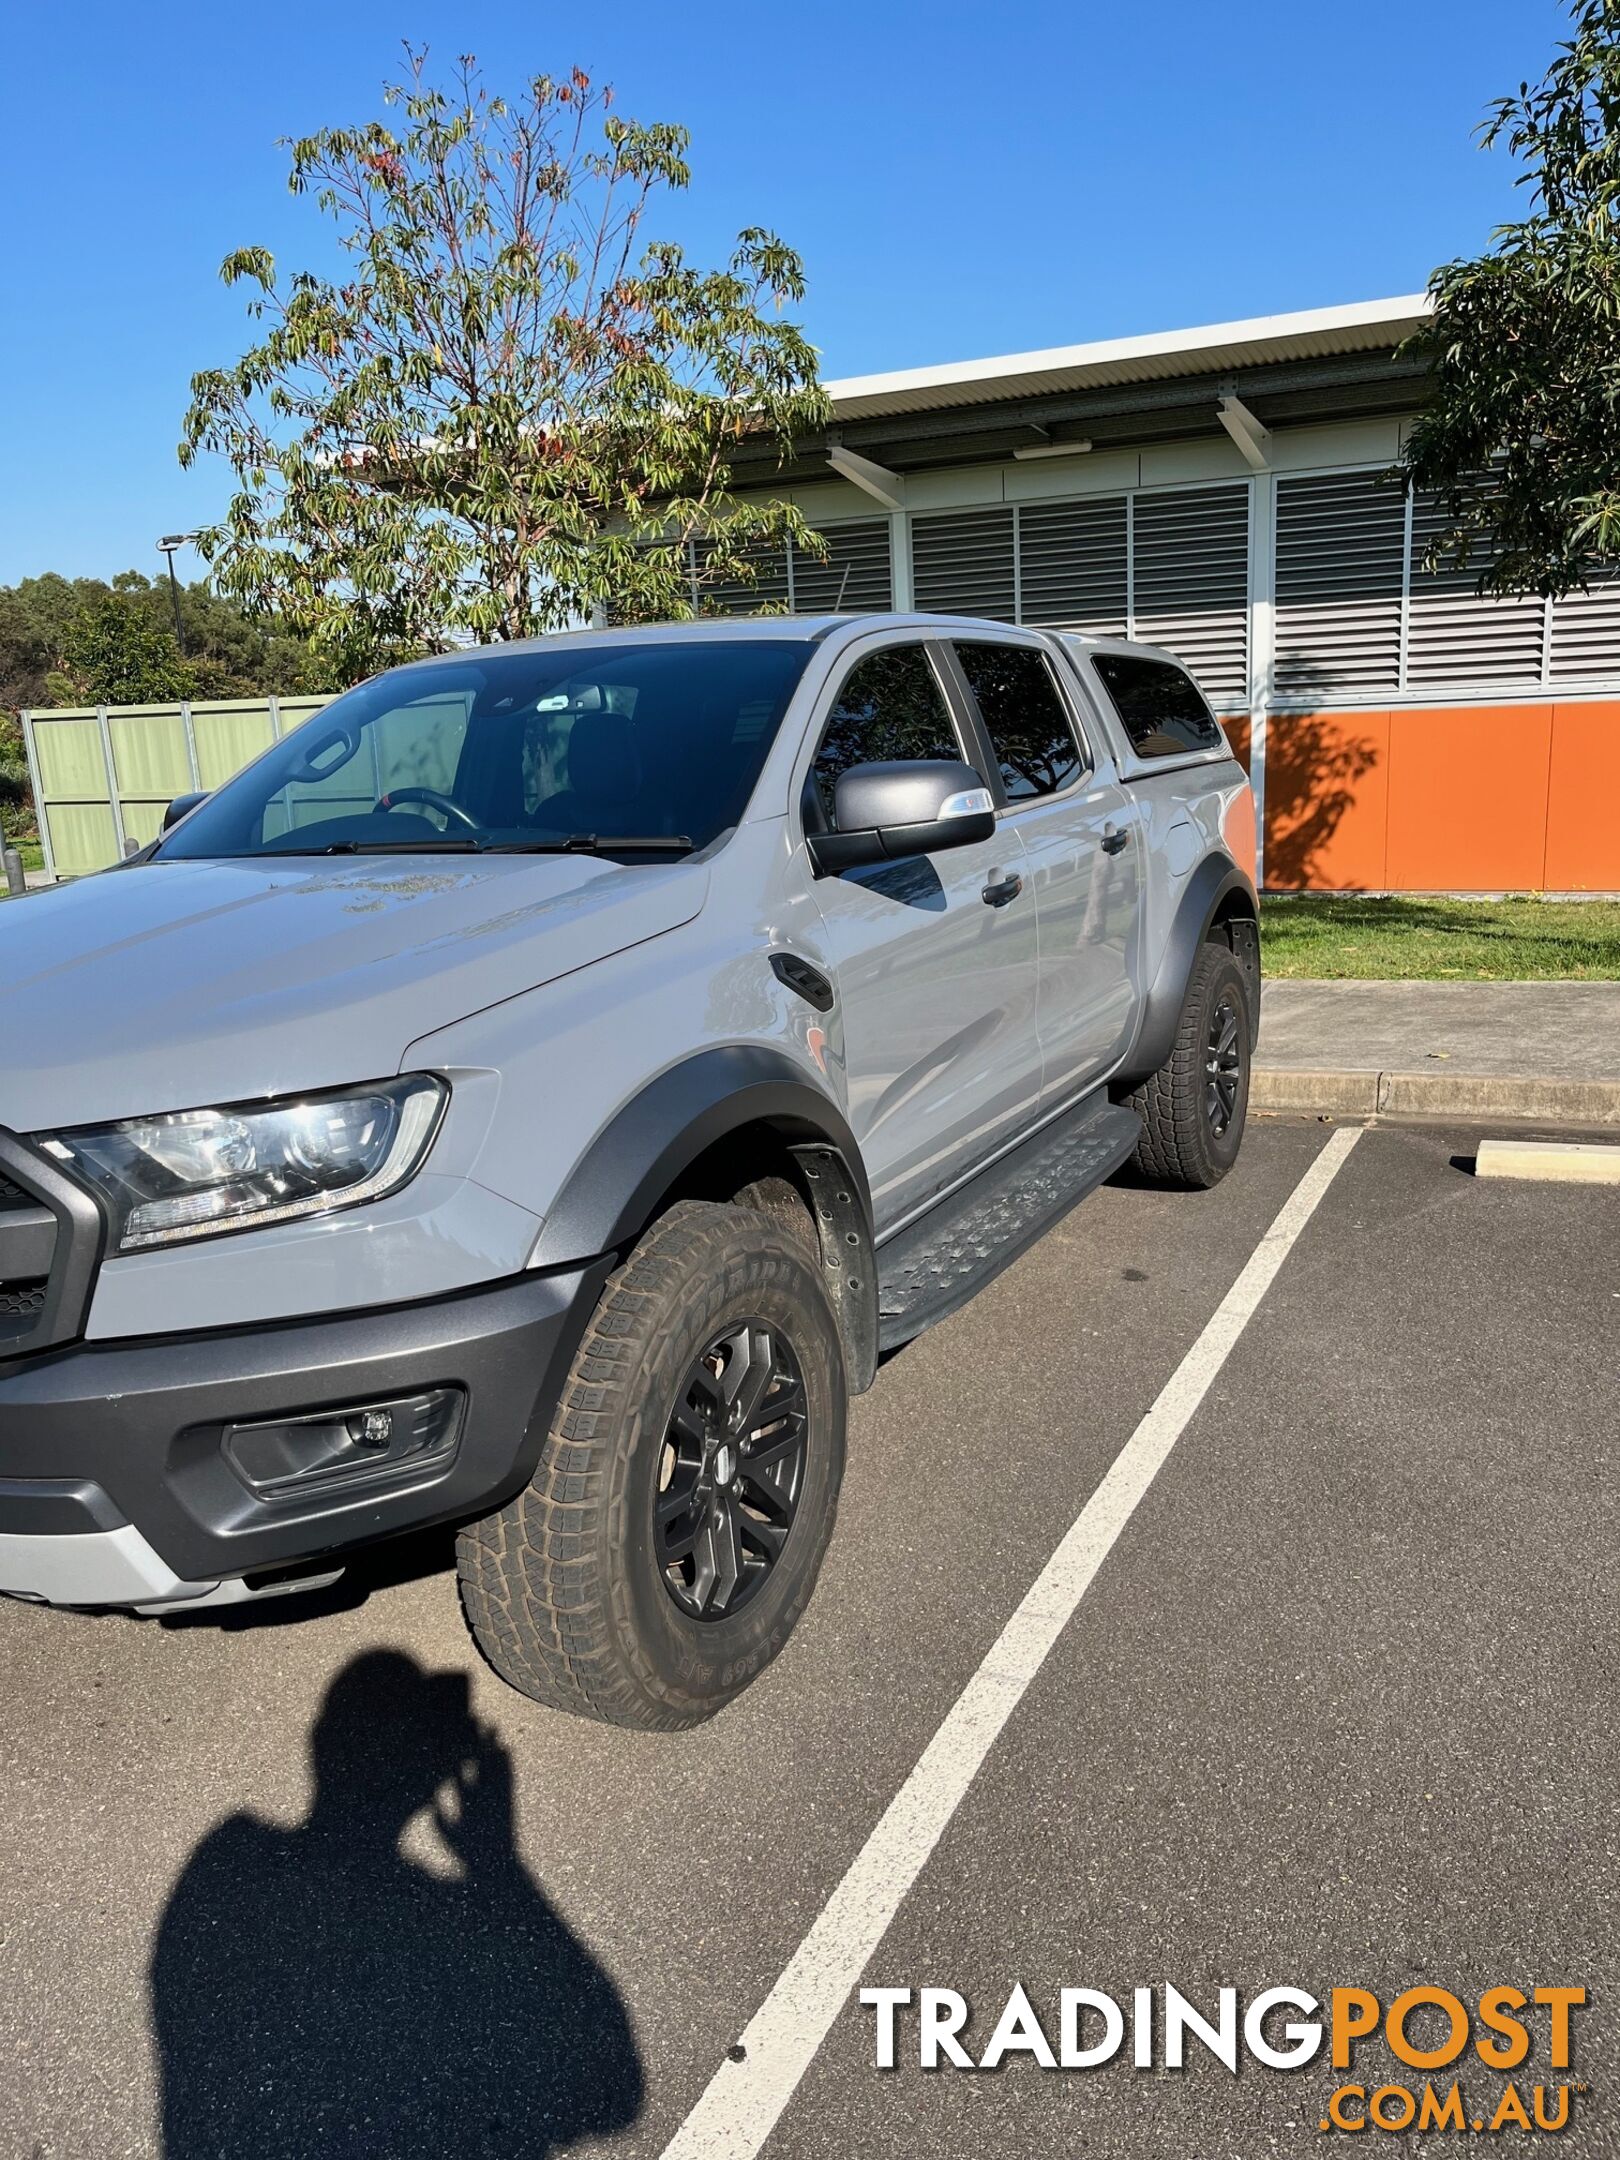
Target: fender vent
805,981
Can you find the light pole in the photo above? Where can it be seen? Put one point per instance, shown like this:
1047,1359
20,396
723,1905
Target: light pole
166,548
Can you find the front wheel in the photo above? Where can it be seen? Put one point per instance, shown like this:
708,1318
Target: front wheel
1193,1108
673,1531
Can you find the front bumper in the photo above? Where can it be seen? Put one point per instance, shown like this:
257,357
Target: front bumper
116,1487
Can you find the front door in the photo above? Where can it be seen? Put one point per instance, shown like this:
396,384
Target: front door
935,980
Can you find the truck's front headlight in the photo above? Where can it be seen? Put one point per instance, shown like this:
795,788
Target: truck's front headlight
195,1173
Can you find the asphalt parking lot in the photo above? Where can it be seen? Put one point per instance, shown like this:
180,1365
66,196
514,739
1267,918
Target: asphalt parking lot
1339,1707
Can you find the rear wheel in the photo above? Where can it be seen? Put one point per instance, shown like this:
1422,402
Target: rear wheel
673,1531
1194,1107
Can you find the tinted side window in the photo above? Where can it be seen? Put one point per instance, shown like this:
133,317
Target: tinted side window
1024,716
890,707
1163,713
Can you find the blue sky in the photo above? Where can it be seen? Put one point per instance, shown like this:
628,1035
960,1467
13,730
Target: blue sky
961,180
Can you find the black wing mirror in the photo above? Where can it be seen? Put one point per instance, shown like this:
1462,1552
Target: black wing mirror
916,807
182,806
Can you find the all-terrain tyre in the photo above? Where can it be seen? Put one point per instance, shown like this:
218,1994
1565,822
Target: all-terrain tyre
1193,1108
674,1528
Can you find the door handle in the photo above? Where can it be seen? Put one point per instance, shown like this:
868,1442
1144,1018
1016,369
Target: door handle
1001,890
1114,840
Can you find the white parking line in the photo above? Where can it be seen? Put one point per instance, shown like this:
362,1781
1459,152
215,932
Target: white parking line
744,2097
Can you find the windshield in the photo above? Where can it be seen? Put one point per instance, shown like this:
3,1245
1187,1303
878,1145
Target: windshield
619,748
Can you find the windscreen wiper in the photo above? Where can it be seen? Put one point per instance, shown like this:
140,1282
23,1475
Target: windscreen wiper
386,847
589,843
574,844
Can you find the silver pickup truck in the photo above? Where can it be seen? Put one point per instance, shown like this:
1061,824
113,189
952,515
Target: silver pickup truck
537,1093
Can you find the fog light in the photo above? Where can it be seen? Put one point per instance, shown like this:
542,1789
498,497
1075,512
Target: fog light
364,1444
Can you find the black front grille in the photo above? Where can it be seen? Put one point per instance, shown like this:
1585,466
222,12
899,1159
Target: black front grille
51,1238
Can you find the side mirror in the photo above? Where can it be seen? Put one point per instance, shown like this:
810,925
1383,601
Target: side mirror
182,806
916,807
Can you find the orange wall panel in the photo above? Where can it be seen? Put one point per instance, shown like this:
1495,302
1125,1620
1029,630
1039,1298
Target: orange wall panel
1583,799
1327,781
1468,798
1237,734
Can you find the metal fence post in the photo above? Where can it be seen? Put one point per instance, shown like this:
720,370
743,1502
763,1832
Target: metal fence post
112,779
31,752
191,742
11,866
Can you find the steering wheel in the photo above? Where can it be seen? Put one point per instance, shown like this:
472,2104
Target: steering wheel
434,800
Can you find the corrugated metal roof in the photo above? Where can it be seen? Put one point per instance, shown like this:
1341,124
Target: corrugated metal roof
1313,333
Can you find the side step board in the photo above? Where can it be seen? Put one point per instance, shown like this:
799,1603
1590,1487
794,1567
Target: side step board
948,1255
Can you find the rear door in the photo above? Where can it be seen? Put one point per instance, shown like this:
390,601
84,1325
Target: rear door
1079,830
934,957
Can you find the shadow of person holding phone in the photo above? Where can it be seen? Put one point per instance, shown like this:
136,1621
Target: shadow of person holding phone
315,1992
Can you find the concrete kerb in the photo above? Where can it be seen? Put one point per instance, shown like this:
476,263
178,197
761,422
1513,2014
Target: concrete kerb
1558,1162
1468,1096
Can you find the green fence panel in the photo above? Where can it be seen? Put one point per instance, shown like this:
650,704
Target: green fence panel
149,753
82,837
295,711
71,767
228,737
144,820
153,764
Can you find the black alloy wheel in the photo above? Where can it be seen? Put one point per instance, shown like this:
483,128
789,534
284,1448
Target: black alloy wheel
1223,1064
670,1538
1194,1107
730,1471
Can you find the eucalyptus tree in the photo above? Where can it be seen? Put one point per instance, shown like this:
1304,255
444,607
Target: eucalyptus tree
511,407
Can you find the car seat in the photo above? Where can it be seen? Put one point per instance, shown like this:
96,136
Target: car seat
604,778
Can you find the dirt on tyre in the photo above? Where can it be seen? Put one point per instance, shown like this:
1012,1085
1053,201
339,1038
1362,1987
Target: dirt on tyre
672,1533
1193,1108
